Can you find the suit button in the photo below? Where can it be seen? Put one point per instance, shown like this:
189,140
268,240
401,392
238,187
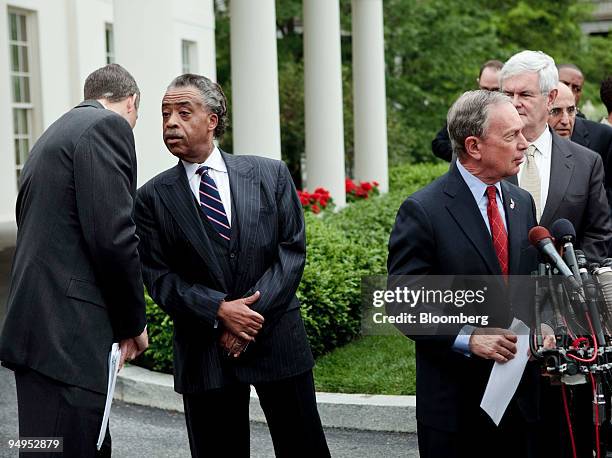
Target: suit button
232,255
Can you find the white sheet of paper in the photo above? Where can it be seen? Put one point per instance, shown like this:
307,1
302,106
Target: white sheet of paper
113,370
505,378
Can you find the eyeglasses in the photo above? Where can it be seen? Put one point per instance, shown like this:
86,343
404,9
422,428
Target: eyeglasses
556,112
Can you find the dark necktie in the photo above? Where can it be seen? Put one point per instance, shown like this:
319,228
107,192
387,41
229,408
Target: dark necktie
211,203
498,230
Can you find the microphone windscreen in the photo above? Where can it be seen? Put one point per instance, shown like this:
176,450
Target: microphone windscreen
537,234
563,228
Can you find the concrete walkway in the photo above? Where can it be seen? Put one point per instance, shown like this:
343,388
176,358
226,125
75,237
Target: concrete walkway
147,432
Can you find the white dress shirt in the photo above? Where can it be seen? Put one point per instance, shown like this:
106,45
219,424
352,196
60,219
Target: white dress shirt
542,158
478,190
218,172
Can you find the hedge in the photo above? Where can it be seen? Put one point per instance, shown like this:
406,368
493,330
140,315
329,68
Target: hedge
341,248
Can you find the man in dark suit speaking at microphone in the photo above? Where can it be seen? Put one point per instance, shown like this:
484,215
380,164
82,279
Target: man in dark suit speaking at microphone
471,222
223,250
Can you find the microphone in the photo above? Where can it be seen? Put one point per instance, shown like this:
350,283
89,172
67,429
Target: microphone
564,232
542,240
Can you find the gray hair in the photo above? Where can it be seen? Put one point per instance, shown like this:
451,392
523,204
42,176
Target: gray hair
532,62
211,94
111,82
469,116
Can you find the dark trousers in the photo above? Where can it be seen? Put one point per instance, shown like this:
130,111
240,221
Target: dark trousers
218,420
478,437
48,408
554,421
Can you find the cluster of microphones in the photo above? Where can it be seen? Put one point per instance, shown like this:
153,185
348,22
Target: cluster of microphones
574,298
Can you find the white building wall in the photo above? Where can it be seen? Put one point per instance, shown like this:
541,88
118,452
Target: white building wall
148,36
71,44
54,84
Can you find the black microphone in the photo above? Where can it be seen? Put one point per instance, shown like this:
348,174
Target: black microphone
563,231
542,240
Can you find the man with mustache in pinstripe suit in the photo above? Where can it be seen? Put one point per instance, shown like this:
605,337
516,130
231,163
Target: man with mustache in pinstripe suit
223,251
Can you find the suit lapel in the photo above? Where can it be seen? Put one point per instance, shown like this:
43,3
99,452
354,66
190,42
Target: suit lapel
561,169
513,222
179,201
244,185
580,134
465,212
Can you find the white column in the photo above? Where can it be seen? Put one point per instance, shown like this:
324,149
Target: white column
370,108
323,98
255,105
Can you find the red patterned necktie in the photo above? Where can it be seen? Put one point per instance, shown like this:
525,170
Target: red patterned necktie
498,230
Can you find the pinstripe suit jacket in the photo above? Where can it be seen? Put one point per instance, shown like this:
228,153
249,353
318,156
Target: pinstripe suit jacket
184,278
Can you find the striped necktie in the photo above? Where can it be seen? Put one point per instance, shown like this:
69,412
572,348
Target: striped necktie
498,230
212,206
530,179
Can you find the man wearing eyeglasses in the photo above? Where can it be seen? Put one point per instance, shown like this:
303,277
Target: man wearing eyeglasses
565,122
565,179
562,115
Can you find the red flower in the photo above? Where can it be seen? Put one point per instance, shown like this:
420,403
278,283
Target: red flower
316,209
366,186
303,199
375,183
350,186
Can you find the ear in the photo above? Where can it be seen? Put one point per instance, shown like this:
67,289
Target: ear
552,95
214,121
472,147
131,103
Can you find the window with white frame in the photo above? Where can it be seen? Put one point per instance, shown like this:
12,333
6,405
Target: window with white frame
190,56
20,25
110,44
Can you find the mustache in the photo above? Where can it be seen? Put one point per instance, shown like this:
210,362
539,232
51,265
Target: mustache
172,134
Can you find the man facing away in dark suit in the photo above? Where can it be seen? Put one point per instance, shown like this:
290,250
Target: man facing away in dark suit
566,180
471,222
76,283
223,251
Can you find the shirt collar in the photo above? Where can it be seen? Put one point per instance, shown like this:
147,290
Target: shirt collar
544,142
214,161
476,186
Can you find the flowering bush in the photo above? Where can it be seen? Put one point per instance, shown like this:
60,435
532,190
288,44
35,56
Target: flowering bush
364,190
316,201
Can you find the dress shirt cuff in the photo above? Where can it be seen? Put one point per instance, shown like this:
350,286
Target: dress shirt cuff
462,341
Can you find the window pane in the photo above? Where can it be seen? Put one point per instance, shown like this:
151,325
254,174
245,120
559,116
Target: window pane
12,26
16,89
22,28
22,121
25,149
15,58
17,157
25,80
25,67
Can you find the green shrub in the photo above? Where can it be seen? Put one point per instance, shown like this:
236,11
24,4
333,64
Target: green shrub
341,249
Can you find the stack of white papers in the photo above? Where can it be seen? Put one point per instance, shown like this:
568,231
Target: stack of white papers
113,369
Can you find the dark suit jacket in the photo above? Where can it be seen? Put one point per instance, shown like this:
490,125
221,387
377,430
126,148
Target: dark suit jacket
439,231
441,145
576,192
185,279
76,283
595,136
